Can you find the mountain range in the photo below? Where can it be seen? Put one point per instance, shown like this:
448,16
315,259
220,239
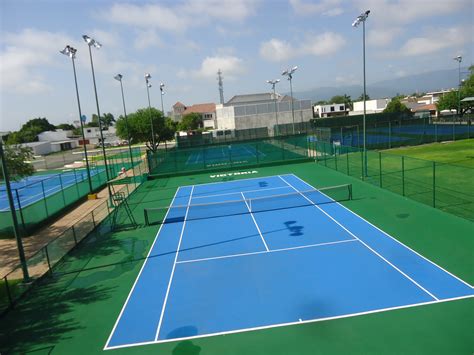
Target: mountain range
419,83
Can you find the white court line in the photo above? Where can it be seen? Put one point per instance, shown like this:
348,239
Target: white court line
256,225
368,247
265,252
138,276
174,267
234,193
238,180
388,235
307,321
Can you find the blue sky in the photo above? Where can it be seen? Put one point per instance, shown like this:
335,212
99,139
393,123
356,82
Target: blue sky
183,43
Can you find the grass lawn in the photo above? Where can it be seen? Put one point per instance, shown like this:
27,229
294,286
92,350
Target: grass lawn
458,152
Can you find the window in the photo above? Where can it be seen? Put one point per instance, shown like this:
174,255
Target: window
88,131
220,133
341,108
332,108
227,132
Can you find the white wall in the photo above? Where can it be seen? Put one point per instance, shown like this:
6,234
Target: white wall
54,136
372,106
225,117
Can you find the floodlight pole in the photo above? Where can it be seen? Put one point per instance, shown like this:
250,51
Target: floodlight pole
119,78
71,52
16,232
148,85
459,60
289,74
273,83
362,18
90,44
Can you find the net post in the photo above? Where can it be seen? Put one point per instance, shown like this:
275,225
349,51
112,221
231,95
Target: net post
145,211
7,289
350,191
74,234
335,158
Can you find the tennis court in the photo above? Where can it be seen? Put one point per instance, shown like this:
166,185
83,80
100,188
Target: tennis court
259,253
224,153
35,188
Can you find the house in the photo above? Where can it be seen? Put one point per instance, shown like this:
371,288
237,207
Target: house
371,106
330,110
177,111
92,135
207,112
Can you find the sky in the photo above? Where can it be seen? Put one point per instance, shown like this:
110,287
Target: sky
184,43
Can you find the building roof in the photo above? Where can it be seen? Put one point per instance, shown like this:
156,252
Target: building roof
200,108
429,107
255,98
179,104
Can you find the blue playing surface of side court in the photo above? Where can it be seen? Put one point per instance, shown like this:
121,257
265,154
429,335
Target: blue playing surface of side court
279,266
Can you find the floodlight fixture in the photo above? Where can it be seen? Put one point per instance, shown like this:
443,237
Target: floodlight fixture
91,42
148,86
118,77
459,60
69,51
361,18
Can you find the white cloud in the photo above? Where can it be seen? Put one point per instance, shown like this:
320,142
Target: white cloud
276,50
437,39
324,44
231,66
383,36
147,39
25,54
319,45
180,17
323,8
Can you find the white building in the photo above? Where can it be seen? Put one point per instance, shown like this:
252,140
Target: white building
92,135
330,110
58,140
371,106
254,111
432,97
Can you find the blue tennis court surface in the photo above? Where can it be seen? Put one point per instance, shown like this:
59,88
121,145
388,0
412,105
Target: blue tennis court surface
275,267
223,153
30,189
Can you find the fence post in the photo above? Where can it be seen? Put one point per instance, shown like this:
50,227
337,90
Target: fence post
62,189
434,184
93,218
362,162
454,136
47,259
403,175
342,139
389,136
347,160
7,288
44,198
380,168
436,132
335,157
74,234
75,180
21,211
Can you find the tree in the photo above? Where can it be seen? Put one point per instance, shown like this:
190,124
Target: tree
342,99
450,101
16,156
65,126
396,106
361,97
106,120
140,127
190,122
30,130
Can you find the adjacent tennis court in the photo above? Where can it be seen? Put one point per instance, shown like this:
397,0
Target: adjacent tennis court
224,153
266,252
35,188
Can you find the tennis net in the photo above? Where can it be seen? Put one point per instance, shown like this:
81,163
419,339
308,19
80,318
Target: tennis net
238,205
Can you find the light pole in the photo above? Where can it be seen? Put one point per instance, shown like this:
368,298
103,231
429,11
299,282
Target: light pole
16,232
71,52
273,83
361,19
459,60
289,74
148,86
119,78
93,43
162,86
